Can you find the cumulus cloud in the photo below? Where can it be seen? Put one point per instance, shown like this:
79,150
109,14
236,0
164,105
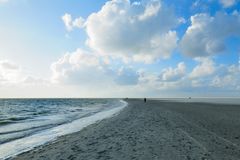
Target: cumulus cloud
153,82
205,68
139,30
229,79
76,67
207,34
173,74
70,24
170,80
228,3
215,77
84,68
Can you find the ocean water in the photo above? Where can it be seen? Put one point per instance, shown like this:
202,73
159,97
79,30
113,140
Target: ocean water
27,123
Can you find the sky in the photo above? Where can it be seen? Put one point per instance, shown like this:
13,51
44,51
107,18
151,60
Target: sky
119,48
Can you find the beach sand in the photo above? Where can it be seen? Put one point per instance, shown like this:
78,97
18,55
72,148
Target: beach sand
156,130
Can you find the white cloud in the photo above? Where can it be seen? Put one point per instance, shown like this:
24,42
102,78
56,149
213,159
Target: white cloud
9,72
150,82
84,68
141,31
230,79
144,31
205,68
70,23
3,1
151,10
173,74
13,74
77,67
228,3
67,19
8,65
78,22
220,80
207,34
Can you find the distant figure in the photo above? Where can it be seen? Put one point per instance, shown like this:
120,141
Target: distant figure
189,97
145,100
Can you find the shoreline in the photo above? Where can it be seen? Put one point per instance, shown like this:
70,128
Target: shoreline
153,130
22,145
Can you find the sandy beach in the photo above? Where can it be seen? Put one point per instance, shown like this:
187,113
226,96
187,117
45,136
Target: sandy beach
156,130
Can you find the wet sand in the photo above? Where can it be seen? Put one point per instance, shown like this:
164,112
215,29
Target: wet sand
155,130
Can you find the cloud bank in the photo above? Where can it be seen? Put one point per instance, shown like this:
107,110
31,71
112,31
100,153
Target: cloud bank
145,31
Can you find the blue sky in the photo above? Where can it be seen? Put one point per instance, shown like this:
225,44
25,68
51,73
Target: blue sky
119,48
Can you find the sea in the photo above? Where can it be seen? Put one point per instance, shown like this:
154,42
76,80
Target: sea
28,123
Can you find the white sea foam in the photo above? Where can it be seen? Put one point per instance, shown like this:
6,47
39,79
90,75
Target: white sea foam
16,147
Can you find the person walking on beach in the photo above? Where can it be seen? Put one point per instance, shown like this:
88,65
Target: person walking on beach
145,100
